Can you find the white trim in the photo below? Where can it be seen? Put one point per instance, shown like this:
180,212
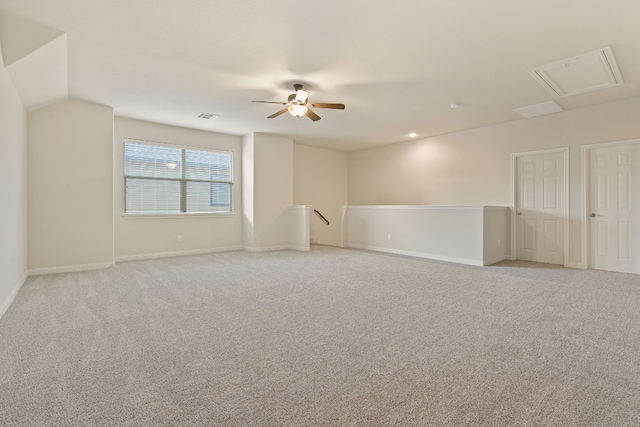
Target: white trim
467,261
585,207
181,215
12,295
612,143
513,196
495,208
567,201
300,248
156,255
277,248
586,240
427,207
69,268
536,152
172,145
512,204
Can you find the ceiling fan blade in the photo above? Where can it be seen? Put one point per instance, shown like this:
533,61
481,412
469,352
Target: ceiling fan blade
271,102
284,110
324,105
313,116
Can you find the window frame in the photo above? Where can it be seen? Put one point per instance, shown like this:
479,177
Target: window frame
182,180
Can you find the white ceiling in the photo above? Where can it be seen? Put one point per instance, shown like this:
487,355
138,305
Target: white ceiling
397,65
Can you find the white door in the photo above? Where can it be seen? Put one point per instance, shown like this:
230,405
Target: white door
540,207
612,178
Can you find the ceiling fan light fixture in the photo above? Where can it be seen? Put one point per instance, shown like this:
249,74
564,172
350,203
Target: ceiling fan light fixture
297,110
302,96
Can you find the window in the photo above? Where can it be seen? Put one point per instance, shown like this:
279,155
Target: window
161,179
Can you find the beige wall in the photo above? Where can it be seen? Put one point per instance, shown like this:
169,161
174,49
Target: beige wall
472,167
320,180
268,161
13,191
149,237
70,176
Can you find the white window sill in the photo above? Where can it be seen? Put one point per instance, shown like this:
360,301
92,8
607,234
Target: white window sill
183,215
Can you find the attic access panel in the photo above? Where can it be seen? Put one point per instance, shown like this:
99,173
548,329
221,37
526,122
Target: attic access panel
583,73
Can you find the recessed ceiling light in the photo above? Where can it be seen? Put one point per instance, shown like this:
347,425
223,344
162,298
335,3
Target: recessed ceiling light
413,135
208,116
454,105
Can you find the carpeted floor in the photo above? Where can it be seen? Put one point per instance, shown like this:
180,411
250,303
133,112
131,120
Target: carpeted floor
331,337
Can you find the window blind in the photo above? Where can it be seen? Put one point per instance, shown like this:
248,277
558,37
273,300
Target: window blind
162,179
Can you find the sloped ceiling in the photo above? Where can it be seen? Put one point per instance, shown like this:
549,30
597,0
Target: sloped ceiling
36,58
396,65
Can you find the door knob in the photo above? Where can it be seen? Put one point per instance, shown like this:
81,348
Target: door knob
520,213
593,215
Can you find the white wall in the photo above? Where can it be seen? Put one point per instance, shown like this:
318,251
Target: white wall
70,177
472,167
13,191
472,235
269,162
247,190
320,180
299,227
138,238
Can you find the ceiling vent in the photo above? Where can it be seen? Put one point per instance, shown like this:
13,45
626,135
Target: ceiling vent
539,109
583,73
208,116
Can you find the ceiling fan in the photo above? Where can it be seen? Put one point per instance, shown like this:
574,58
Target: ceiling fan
298,105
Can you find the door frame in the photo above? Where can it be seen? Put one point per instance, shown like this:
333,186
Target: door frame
514,189
587,262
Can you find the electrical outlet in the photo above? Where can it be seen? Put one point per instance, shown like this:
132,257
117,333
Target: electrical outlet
179,238
498,242
389,236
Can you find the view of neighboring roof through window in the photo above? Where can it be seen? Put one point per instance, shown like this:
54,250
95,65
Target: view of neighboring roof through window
167,180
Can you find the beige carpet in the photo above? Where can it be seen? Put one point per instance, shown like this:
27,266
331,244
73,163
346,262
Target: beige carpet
332,337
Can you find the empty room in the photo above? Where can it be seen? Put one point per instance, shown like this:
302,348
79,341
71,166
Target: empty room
340,213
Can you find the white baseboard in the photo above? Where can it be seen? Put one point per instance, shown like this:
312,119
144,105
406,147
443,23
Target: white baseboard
156,255
69,268
278,248
4,305
267,248
467,261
